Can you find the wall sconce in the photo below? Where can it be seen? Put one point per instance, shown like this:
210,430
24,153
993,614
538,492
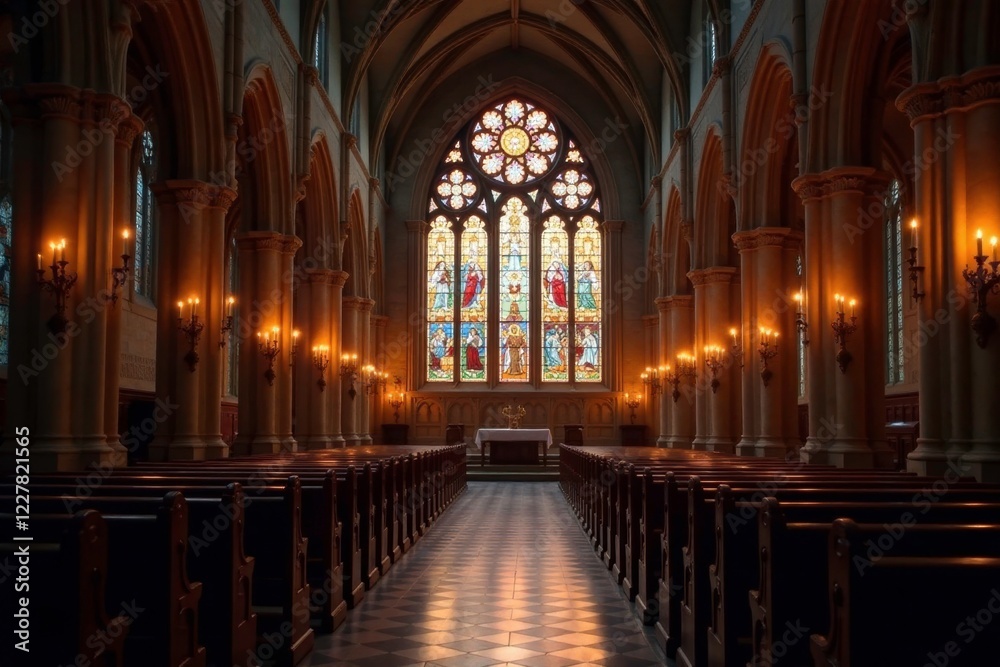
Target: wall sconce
713,361
321,360
842,329
268,346
686,368
191,327
981,283
397,397
915,271
374,380
119,274
632,401
295,347
349,371
59,285
227,321
674,380
768,350
801,326
737,348
651,379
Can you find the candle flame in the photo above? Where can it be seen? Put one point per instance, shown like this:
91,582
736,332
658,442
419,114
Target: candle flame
232,300
979,233
993,241
913,224
125,235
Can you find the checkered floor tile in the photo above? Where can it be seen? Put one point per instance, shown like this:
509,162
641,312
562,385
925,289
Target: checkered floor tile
506,576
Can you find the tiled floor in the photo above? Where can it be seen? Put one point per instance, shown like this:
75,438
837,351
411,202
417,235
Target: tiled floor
506,576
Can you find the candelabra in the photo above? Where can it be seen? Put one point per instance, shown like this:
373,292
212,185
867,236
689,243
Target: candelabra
651,378
349,371
768,350
632,402
119,274
269,349
673,378
842,329
514,414
227,322
686,368
737,349
191,328
713,361
915,271
295,347
801,326
321,360
981,283
59,285
396,399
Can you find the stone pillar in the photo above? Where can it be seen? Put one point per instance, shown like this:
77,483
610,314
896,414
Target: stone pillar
266,298
681,419
353,392
957,121
365,396
379,324
717,411
611,331
416,334
57,198
123,220
843,251
334,382
770,419
662,358
312,400
650,407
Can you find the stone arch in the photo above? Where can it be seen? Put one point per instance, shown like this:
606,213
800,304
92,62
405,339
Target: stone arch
714,215
769,156
263,165
355,254
317,212
676,247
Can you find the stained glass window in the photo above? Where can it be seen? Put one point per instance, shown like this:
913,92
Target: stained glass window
894,284
518,190
6,225
440,301
144,216
321,56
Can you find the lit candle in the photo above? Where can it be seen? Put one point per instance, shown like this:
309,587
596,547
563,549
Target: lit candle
125,242
232,303
191,308
993,242
913,235
194,311
39,261
854,304
62,250
979,243
53,247
732,332
180,310
626,397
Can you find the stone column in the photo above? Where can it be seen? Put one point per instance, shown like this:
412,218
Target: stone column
379,324
664,401
352,392
844,254
611,331
956,121
283,384
264,262
770,420
681,417
123,220
312,400
64,151
717,411
650,406
416,333
335,383
365,397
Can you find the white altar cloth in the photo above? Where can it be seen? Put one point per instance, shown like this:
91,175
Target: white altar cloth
513,434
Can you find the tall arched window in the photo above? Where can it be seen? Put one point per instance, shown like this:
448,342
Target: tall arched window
321,55
514,255
145,215
711,50
894,284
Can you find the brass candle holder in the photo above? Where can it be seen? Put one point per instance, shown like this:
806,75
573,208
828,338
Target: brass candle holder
321,361
767,350
267,344
227,321
59,285
982,282
842,329
632,402
191,328
349,371
651,379
514,415
713,361
119,274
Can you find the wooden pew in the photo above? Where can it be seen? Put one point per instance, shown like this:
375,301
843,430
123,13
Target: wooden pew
68,613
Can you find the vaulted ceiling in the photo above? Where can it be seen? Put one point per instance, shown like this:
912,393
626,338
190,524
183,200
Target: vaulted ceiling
616,50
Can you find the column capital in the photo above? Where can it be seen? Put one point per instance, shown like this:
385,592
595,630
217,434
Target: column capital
613,226
417,226
339,278
191,195
287,245
782,237
129,129
668,303
323,276
55,100
380,320
924,101
358,303
867,181
650,321
715,274
663,303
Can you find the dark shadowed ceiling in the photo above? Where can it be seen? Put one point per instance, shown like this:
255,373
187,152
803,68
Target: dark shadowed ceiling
614,49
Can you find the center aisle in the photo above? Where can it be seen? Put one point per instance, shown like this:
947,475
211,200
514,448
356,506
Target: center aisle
506,576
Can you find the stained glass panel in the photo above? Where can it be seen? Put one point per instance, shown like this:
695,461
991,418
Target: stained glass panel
514,142
515,243
555,283
440,351
475,298
587,317
440,290
6,225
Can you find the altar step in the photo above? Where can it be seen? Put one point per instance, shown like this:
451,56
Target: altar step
512,473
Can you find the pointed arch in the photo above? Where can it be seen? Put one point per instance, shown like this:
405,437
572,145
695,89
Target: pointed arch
318,210
263,164
355,252
714,215
676,247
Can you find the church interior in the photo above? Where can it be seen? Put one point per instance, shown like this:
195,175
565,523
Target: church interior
476,332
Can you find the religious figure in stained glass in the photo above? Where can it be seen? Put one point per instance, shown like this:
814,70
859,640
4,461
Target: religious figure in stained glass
514,352
473,343
473,284
589,348
555,284
586,282
441,287
439,350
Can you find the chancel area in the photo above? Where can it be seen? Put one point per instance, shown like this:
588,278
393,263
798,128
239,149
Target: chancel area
473,332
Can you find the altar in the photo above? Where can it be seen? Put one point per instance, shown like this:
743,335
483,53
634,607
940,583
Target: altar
514,446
